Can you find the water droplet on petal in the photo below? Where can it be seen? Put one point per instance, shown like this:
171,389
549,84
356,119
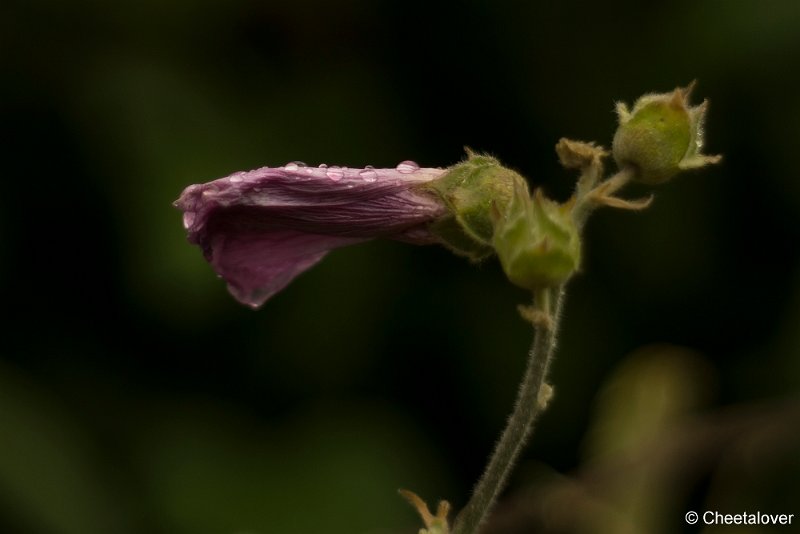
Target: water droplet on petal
300,163
323,166
407,167
291,166
368,174
188,219
335,173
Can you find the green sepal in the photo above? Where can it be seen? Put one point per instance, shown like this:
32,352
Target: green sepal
471,190
661,136
452,234
537,241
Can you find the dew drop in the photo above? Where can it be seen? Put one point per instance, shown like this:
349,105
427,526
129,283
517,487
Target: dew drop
188,219
335,173
323,166
368,174
407,167
291,166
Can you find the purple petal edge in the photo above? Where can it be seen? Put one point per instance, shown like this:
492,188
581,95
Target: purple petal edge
256,266
260,229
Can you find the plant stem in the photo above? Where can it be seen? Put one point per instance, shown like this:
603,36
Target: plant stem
589,199
530,403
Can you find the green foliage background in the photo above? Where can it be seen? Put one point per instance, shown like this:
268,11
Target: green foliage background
137,396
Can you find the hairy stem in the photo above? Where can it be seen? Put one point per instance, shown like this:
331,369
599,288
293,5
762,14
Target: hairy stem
530,403
590,199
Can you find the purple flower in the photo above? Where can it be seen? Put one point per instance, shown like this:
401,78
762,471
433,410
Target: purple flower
262,228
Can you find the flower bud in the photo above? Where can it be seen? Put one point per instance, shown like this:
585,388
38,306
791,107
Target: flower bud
471,190
661,136
537,241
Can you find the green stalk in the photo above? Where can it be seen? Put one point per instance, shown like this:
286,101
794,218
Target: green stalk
531,401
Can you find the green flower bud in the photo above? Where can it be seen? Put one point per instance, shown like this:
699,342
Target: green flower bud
471,190
537,241
661,136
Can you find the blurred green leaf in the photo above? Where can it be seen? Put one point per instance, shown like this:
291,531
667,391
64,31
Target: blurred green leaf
50,480
333,469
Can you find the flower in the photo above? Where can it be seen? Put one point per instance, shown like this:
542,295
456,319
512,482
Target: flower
260,229
661,136
537,241
473,191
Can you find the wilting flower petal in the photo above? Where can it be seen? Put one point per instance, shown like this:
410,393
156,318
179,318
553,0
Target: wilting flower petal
260,229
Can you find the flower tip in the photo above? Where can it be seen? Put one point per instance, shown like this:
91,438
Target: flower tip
623,113
687,91
678,99
434,524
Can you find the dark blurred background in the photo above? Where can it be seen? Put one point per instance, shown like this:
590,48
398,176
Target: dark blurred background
136,396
